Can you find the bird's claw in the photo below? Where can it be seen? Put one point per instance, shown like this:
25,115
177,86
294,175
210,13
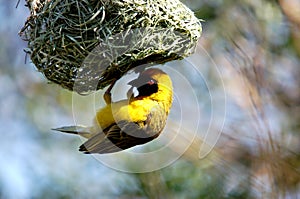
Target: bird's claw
107,94
107,97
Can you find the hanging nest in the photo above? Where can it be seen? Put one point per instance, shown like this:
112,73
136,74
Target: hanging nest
85,45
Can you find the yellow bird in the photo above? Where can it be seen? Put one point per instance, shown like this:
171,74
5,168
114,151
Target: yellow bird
130,122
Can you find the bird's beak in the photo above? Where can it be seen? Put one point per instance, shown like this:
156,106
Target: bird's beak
136,82
132,82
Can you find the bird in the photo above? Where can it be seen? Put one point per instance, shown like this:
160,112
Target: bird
133,121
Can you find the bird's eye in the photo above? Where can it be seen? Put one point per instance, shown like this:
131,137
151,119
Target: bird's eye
151,82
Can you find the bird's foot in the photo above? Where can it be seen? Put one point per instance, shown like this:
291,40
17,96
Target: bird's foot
107,94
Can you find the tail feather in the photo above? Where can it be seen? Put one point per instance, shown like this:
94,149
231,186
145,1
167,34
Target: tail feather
78,130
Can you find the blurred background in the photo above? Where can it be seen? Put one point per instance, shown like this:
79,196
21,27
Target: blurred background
255,44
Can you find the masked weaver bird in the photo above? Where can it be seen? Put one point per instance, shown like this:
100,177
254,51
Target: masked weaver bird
134,121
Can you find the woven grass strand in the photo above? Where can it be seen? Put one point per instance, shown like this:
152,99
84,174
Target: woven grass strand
85,45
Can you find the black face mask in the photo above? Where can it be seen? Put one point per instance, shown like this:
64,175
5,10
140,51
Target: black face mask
145,86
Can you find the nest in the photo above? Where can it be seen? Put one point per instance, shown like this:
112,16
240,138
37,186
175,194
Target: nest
86,45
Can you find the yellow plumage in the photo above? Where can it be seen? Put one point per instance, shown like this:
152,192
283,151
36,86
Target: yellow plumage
136,120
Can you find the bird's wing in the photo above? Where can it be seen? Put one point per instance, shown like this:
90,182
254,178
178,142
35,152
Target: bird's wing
125,134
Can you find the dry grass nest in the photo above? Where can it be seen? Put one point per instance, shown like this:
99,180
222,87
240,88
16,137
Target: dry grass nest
84,45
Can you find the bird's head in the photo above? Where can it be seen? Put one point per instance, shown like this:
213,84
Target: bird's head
154,84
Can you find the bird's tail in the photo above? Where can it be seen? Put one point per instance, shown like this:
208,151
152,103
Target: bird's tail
78,130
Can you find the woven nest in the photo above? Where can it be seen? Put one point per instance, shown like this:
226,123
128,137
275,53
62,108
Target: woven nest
85,45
